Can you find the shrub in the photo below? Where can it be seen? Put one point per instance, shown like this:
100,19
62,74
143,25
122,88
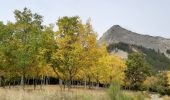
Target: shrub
158,83
115,92
150,84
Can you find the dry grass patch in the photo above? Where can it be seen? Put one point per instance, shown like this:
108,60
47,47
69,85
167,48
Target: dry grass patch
51,93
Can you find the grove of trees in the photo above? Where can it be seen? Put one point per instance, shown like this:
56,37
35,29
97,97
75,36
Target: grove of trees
30,50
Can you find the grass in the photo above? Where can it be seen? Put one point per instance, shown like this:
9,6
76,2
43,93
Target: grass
53,92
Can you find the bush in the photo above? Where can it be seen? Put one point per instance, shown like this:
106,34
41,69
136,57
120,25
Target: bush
115,92
158,83
150,84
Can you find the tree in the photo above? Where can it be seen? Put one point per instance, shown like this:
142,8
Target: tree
66,58
151,83
137,70
158,83
47,49
7,46
113,69
90,55
27,36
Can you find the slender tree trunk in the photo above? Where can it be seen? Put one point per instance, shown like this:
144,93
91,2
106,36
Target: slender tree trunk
22,81
89,83
110,79
9,85
35,83
42,78
64,84
72,83
60,83
69,83
4,83
85,83
0,81
46,80
14,83
28,81
97,82
92,85
77,83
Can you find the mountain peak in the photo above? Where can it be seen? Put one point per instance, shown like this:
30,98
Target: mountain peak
116,26
117,34
117,29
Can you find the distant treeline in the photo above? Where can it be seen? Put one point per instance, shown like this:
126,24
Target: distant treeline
156,59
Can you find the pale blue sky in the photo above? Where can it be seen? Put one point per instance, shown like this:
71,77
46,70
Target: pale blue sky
143,16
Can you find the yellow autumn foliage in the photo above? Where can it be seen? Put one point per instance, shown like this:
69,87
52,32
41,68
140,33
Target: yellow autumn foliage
168,77
112,69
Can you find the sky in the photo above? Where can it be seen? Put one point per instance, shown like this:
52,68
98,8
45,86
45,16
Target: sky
151,17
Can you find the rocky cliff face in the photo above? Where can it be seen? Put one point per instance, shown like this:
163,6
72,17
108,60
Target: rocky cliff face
118,34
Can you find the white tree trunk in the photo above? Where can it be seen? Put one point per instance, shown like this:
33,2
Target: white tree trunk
22,80
60,82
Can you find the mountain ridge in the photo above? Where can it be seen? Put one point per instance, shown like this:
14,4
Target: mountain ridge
136,32
117,34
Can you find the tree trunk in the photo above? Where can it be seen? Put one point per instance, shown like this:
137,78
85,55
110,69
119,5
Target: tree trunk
77,83
89,83
69,82
64,84
46,80
28,81
42,81
85,83
0,81
9,85
22,81
35,83
60,83
92,84
110,79
97,82
14,82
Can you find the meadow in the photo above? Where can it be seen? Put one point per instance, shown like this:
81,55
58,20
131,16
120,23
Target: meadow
51,92
54,92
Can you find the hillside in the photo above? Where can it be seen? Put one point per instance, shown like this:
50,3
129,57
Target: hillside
118,34
157,60
121,41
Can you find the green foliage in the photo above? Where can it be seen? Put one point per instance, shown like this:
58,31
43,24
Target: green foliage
31,50
158,83
137,70
65,59
22,43
120,45
114,90
115,93
158,61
